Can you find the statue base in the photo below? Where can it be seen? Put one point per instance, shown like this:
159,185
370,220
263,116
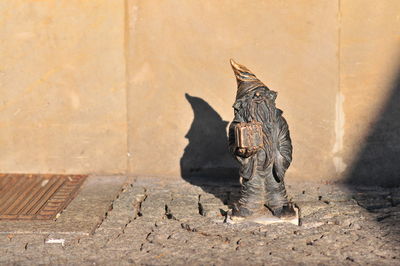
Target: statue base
264,218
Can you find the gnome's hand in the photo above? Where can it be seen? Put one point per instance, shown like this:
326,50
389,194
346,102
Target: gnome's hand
246,152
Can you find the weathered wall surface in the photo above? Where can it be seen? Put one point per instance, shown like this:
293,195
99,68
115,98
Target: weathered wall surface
145,87
62,86
369,109
179,47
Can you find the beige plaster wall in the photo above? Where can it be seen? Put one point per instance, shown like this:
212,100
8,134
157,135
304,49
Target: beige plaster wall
145,87
178,47
62,87
368,136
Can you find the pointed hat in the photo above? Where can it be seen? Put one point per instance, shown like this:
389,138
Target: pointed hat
246,80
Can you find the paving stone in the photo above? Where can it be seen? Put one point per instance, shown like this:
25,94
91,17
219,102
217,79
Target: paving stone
158,223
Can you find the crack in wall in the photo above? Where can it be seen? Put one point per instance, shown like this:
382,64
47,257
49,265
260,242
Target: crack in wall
337,159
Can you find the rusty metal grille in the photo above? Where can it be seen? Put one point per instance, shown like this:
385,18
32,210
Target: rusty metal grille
36,197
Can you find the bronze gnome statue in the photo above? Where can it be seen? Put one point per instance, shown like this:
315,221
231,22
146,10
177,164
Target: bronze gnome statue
259,139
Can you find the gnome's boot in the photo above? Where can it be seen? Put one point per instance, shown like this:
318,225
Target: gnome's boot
276,198
252,197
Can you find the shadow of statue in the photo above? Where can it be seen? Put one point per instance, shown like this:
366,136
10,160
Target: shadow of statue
206,161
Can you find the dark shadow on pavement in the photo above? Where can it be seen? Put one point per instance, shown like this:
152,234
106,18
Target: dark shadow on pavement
206,161
374,177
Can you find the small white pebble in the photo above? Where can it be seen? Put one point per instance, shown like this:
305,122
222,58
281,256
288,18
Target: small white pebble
55,241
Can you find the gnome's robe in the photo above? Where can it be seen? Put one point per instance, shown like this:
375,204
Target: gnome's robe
262,170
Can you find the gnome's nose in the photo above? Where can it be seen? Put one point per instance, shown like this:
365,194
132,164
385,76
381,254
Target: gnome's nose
237,105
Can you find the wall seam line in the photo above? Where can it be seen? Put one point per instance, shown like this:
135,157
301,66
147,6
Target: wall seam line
339,115
126,52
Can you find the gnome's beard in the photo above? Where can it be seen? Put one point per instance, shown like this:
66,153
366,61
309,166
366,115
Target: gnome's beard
261,111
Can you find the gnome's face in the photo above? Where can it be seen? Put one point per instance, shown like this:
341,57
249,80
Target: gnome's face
254,101
255,105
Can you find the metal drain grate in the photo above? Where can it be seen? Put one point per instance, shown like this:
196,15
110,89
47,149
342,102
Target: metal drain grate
36,197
